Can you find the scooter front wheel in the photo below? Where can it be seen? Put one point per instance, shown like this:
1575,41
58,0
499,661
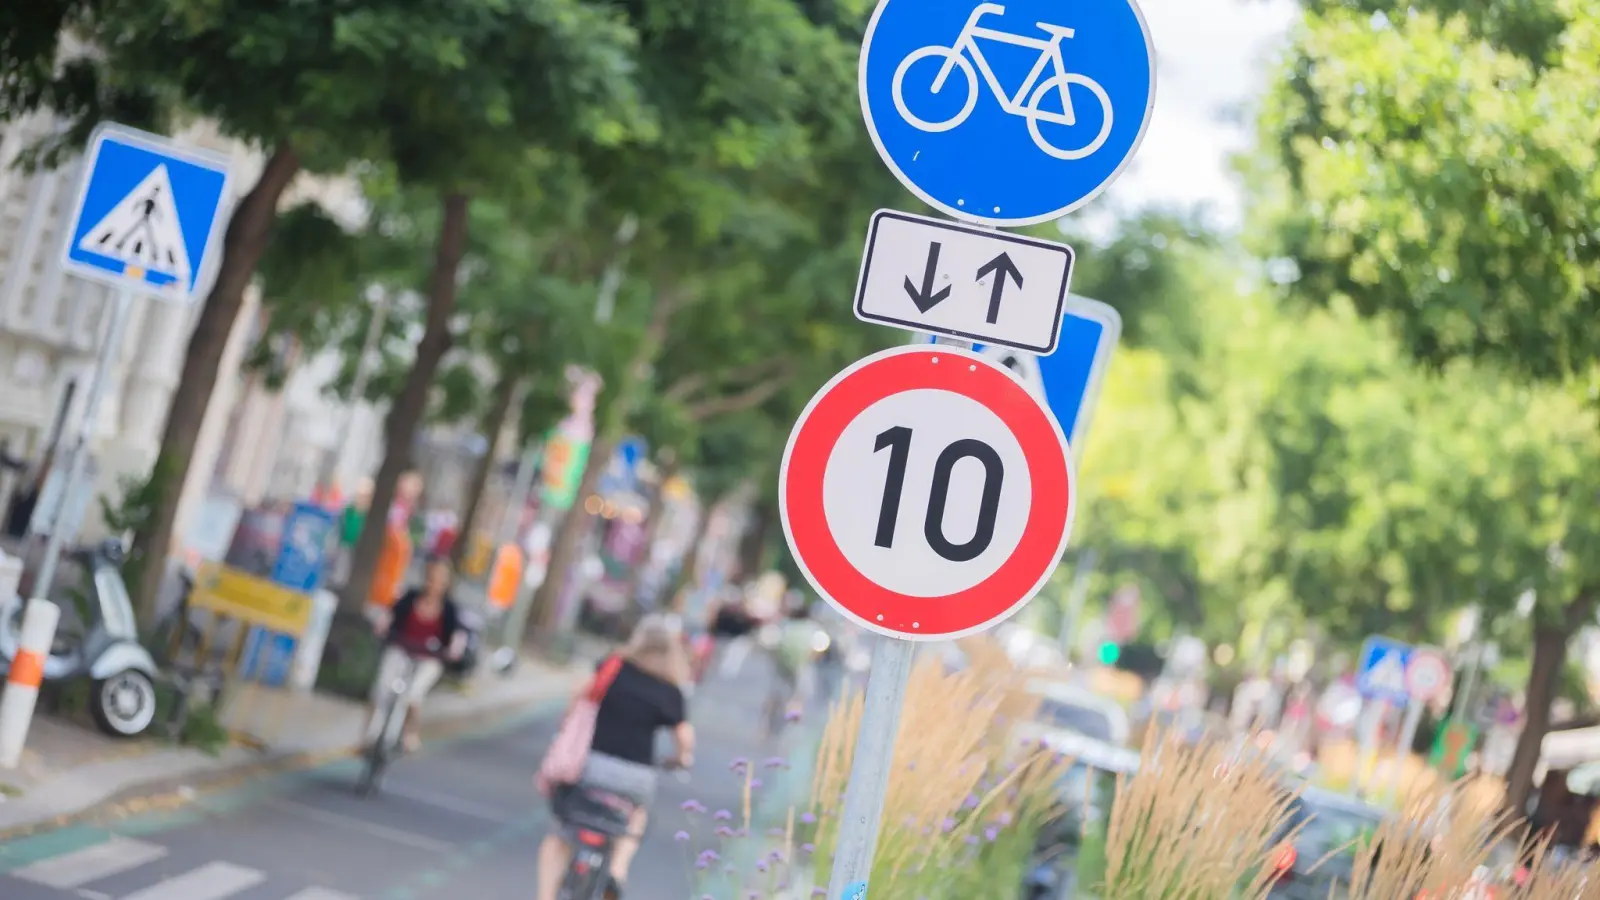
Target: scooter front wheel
124,705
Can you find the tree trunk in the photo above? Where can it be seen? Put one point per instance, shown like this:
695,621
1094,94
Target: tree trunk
249,230
406,413
1549,659
612,425
569,537
685,577
753,543
654,507
505,391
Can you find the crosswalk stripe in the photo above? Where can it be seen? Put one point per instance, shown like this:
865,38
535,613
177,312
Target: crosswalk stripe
322,893
90,864
212,881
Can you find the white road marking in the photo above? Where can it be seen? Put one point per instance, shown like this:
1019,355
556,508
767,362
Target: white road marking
212,881
371,828
79,868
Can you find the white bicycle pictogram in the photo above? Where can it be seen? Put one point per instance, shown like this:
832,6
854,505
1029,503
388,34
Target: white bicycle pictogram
1035,91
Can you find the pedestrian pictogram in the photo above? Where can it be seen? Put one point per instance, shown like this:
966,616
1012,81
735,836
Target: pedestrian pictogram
1007,114
1381,674
149,214
925,493
941,277
143,232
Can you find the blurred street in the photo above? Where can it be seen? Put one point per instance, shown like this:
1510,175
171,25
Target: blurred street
460,819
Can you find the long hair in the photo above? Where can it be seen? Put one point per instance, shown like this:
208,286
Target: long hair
657,648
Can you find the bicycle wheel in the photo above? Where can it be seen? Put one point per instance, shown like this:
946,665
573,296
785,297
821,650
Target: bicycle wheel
1062,83
379,753
960,62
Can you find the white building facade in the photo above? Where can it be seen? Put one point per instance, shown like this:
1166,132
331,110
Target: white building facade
253,443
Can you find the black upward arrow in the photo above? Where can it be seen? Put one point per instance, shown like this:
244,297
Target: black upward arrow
1001,266
927,298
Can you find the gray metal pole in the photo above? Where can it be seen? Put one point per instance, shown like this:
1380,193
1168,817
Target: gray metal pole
611,280
864,794
1402,749
1075,601
121,303
873,761
511,516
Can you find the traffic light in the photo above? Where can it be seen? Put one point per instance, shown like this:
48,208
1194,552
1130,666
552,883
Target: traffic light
1109,653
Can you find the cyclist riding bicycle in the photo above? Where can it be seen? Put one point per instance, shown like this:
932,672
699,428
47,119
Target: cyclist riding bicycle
646,695
423,614
793,658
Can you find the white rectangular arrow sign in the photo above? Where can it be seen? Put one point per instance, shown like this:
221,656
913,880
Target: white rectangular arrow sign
983,285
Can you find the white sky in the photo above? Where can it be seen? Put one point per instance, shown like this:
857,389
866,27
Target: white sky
1211,56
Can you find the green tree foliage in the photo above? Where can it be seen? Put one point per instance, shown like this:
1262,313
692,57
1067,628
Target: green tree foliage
1437,171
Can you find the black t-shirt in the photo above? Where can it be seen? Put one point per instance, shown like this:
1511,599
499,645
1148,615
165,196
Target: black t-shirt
637,704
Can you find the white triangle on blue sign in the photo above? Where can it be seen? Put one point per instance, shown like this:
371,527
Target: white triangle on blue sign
1387,674
142,230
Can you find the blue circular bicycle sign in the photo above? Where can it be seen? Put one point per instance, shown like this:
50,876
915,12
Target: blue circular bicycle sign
1007,114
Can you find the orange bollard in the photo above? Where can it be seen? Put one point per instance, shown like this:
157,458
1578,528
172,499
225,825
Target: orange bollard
505,576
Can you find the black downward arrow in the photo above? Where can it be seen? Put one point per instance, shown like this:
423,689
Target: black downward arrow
927,298
1001,266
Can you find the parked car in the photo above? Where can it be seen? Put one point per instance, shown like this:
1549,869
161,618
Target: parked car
1086,792
1332,826
1065,708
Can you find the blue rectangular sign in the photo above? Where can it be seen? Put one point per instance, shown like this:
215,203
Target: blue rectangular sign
149,215
1070,379
303,550
1381,673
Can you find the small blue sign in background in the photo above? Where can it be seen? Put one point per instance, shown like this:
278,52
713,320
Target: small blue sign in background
303,549
1381,672
118,161
990,142
623,473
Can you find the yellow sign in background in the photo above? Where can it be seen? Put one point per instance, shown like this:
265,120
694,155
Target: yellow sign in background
256,601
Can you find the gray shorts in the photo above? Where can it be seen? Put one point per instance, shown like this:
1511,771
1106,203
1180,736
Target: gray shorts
629,780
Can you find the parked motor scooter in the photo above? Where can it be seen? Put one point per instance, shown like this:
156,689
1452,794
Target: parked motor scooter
122,673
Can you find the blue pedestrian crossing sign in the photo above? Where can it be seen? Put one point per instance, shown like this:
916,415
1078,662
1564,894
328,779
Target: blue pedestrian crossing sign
1381,674
1007,114
1069,380
149,215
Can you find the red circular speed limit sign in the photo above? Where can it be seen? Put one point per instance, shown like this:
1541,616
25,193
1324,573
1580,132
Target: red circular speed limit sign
926,494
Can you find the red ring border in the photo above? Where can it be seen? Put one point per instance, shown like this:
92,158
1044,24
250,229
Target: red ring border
889,612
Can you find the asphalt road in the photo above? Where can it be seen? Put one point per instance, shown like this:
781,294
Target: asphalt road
460,819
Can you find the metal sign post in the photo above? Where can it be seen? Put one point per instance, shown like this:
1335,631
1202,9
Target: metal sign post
148,219
78,456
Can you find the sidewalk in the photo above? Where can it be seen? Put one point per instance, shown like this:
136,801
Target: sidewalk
69,769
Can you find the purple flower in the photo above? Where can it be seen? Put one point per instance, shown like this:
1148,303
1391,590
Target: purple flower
681,836
724,831
972,839
990,833
948,825
761,866
739,765
722,815
792,715
808,848
693,806
709,856
1004,818
776,762
971,802
808,818
755,784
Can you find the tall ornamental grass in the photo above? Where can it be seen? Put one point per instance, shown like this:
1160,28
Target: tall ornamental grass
962,814
1194,824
